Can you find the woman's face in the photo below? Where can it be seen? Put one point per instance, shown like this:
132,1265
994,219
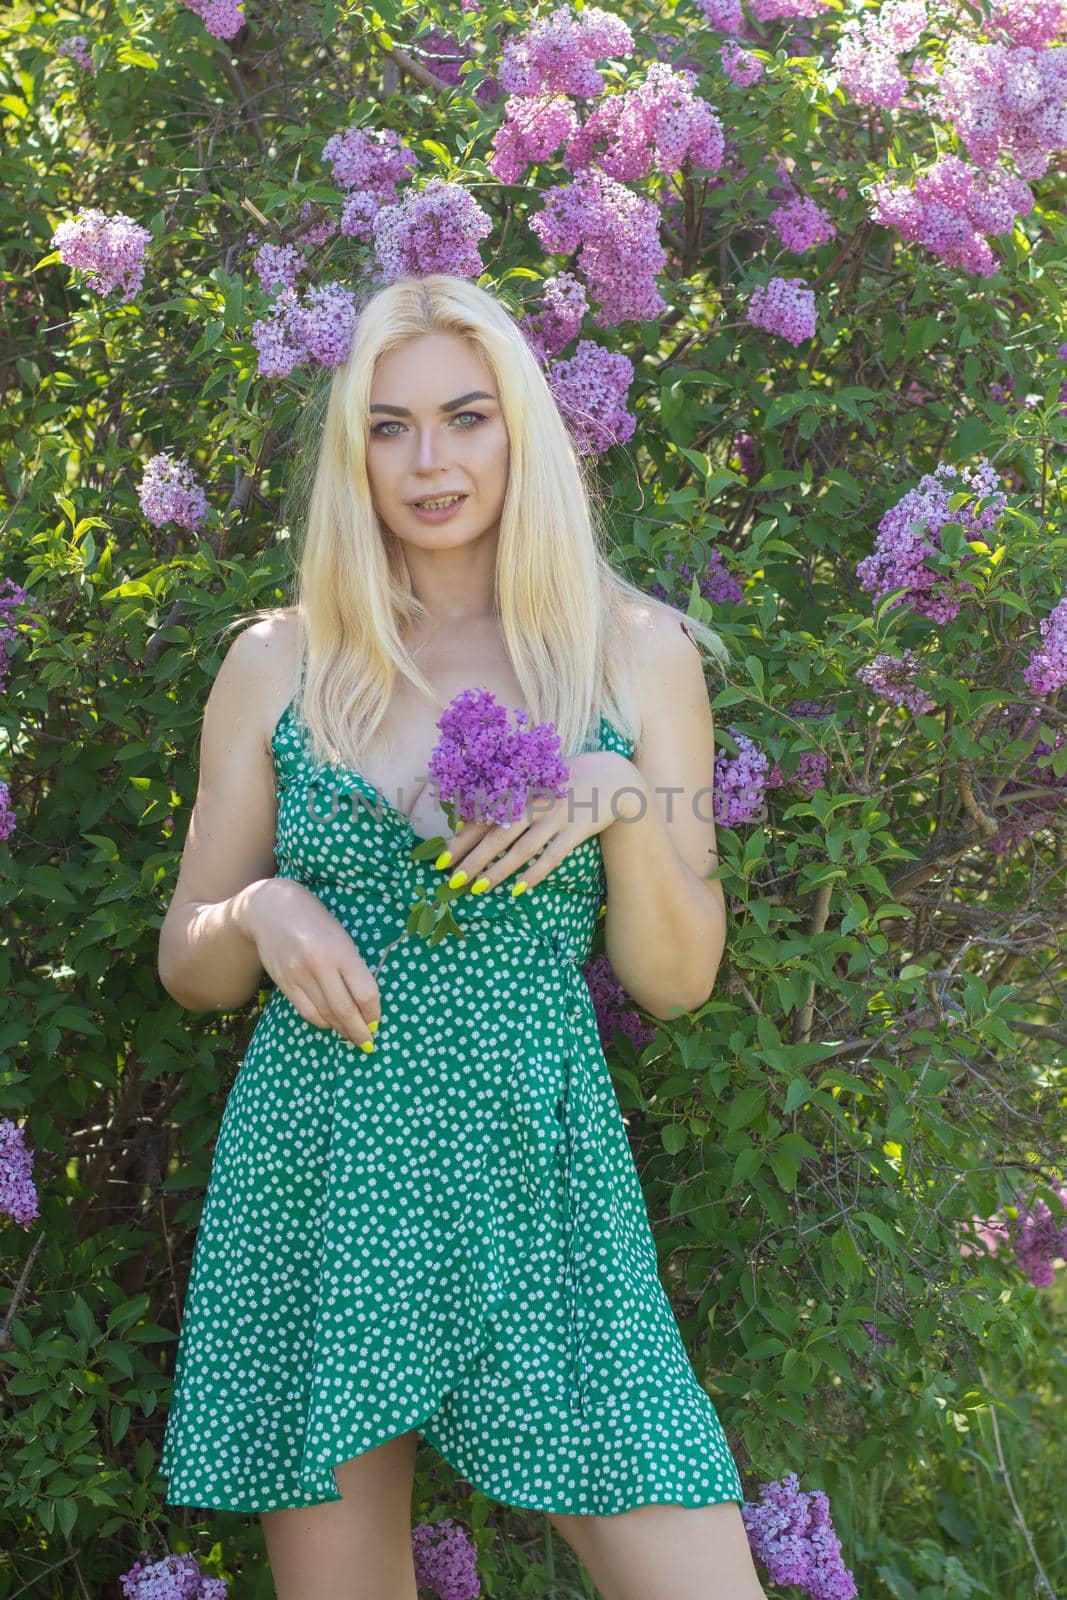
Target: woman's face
436,429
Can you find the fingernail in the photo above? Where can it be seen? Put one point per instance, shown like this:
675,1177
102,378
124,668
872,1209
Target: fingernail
479,885
459,824
443,859
458,879
373,1026
367,1045
520,887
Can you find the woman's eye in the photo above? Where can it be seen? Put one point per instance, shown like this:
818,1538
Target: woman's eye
379,428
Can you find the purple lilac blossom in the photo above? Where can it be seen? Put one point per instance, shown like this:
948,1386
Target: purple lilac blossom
488,771
444,54
612,1006
616,233
77,48
776,10
1004,101
1032,22
175,1577
1047,668
740,66
433,229
744,448
18,1196
7,816
1033,812
655,127
785,306
222,18
715,583
12,594
739,782
169,492
871,1329
108,250
790,1531
369,163
316,232
892,678
277,266
911,530
319,329
558,53
800,225
951,208
865,59
724,16
590,390
563,306
809,776
533,129
446,1561
1038,1238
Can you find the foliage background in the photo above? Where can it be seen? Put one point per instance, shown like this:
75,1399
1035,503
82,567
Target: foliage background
883,1057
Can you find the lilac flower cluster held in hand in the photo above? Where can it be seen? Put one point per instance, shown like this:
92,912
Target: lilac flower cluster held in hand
369,163
108,250
616,234
319,329
951,208
488,771
739,782
791,1533
911,530
175,1577
590,390
715,583
1047,668
434,229
800,224
653,128
785,306
169,492
1005,101
221,18
740,66
18,1195
865,59
612,1005
446,1561
892,678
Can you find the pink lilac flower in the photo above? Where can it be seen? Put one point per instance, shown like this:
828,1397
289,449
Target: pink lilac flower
108,250
277,265
1032,22
77,47
740,65
1031,809
791,1533
739,782
446,1561
892,678
558,53
489,771
444,54
911,530
12,594
563,306
871,1328
18,1194
319,329
616,233
612,1006
175,1577
774,10
1005,101
785,306
1047,668
951,208
800,225
222,18
744,449
715,583
590,390
7,816
318,231
656,127
169,492
433,229
724,16
809,776
867,50
369,162
533,129
1038,1238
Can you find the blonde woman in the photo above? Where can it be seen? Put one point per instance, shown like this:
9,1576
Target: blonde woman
424,1217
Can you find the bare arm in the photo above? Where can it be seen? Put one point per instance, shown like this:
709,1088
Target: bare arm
208,958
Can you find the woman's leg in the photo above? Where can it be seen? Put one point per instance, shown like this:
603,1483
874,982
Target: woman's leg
665,1552
355,1548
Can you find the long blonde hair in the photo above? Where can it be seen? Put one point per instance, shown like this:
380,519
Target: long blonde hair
560,601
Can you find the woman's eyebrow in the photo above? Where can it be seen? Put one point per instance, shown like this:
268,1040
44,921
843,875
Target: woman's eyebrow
449,405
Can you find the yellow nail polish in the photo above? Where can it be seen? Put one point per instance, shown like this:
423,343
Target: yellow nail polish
479,886
367,1045
373,1026
520,887
459,824
443,859
458,879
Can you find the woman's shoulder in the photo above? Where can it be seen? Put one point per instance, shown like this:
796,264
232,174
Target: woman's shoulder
266,653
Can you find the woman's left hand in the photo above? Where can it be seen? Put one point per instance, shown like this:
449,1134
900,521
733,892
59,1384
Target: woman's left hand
603,787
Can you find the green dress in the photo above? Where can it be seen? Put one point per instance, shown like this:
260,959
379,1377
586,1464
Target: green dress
446,1234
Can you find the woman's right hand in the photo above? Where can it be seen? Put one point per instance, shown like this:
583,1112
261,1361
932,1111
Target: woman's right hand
312,959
